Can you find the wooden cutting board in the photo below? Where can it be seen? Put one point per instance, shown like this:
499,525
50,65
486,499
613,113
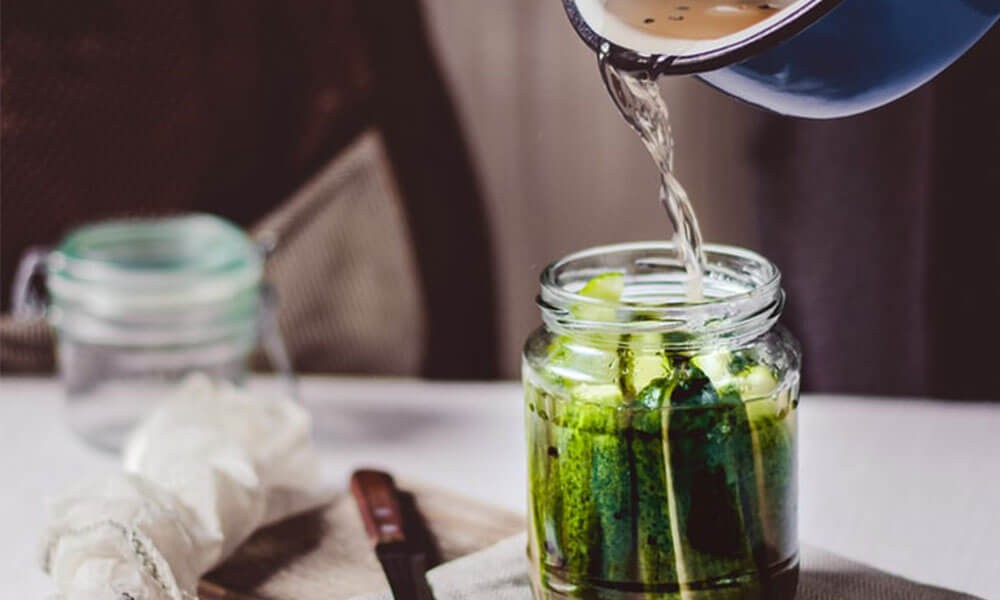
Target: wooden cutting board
325,555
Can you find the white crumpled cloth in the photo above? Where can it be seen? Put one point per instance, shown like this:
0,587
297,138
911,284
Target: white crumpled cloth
206,469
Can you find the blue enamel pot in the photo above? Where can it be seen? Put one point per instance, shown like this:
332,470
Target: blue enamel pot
818,59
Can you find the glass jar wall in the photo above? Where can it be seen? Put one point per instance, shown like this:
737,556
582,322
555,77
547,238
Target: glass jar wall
139,304
661,432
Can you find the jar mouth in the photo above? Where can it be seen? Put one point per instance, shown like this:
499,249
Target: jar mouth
742,296
153,264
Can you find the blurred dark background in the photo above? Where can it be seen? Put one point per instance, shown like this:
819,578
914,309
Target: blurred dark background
418,166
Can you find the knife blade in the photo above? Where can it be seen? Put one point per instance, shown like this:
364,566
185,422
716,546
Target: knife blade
403,562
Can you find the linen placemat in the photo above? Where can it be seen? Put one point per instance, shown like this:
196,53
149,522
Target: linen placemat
500,573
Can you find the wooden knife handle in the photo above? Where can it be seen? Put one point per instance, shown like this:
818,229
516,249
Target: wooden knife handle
377,498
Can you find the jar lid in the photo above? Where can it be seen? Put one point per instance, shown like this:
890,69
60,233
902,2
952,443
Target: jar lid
153,264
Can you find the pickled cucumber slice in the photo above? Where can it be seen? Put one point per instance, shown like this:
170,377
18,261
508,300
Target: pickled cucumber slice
642,360
757,381
577,531
717,367
608,287
737,373
609,395
543,473
612,494
774,463
657,562
593,456
586,438
768,485
571,362
707,446
596,361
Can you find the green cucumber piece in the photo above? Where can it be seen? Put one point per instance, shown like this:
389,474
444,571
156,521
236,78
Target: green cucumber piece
578,526
595,361
608,287
612,495
589,413
772,461
707,447
775,472
715,366
536,439
768,462
543,473
570,363
642,360
737,373
757,381
648,367
656,559
598,415
608,395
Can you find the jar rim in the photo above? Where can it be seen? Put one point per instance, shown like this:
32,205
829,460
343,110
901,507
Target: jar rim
153,264
743,295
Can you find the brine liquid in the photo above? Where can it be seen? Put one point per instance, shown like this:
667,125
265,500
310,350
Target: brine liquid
694,504
638,99
692,19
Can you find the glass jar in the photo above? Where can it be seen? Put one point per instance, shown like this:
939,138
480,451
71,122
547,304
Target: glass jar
139,304
661,431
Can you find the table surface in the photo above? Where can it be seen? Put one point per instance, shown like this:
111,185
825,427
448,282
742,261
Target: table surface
909,486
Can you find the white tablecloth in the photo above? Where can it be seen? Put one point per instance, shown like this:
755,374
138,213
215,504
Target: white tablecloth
908,486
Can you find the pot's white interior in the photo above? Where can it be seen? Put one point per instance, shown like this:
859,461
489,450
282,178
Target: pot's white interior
639,39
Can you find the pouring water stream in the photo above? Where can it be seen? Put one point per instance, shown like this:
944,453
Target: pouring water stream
638,99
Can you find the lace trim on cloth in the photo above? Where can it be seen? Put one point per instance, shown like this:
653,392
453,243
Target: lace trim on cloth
121,535
143,550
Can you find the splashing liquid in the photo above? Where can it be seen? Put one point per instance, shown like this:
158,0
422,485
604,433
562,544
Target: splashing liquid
638,99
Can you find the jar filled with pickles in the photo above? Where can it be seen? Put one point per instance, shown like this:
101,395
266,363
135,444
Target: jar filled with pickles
661,429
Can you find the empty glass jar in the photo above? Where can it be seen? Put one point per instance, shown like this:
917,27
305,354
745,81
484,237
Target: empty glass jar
139,304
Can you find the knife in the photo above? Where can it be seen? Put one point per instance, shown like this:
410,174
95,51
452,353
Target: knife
403,562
